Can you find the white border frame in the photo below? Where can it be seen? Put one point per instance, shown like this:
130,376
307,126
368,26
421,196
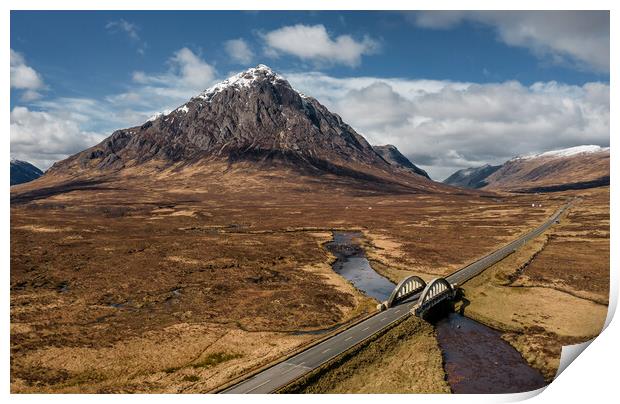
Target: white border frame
591,378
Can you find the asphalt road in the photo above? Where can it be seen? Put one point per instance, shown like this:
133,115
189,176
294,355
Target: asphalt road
283,373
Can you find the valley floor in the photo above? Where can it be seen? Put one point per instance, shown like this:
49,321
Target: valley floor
182,286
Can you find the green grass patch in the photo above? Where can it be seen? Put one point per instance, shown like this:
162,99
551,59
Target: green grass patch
215,359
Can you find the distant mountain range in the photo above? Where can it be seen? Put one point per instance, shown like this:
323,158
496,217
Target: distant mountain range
22,171
393,156
573,168
473,177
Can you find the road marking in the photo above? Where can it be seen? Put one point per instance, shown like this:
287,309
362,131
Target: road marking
365,329
349,338
260,385
397,311
293,367
383,319
325,351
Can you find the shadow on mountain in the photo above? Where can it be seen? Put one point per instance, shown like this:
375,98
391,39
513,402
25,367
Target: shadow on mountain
316,167
601,182
62,188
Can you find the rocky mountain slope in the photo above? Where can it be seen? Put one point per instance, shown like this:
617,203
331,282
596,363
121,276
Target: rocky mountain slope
393,156
572,168
22,171
473,177
254,117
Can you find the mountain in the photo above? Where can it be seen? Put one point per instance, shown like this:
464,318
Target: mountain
473,177
254,120
22,171
393,156
572,168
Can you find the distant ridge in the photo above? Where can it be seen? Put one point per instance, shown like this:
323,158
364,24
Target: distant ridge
577,167
22,172
393,156
473,177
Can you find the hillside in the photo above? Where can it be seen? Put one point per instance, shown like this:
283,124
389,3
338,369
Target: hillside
556,170
473,177
393,156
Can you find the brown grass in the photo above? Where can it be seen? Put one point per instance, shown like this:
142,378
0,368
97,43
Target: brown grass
539,295
115,299
405,359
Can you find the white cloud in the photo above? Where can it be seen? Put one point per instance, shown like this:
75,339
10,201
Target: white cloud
130,29
444,126
188,72
62,126
313,43
579,38
191,69
24,77
43,138
239,51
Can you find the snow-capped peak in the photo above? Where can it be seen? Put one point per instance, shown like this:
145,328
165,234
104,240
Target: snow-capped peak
241,80
571,151
158,115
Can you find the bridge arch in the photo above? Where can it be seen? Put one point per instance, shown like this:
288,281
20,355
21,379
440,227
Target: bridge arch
437,290
405,288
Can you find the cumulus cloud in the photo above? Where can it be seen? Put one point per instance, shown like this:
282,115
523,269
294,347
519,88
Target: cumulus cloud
445,126
313,43
59,127
43,138
579,38
239,51
187,75
25,78
188,71
130,29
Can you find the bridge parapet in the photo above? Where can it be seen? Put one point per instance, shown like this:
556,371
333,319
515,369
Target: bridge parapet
436,291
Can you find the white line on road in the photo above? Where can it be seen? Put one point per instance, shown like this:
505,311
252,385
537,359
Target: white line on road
383,319
260,385
325,351
397,311
365,329
293,367
348,338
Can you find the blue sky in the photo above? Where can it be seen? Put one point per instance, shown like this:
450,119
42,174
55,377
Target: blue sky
80,75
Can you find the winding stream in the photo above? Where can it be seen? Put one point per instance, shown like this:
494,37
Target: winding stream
476,358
